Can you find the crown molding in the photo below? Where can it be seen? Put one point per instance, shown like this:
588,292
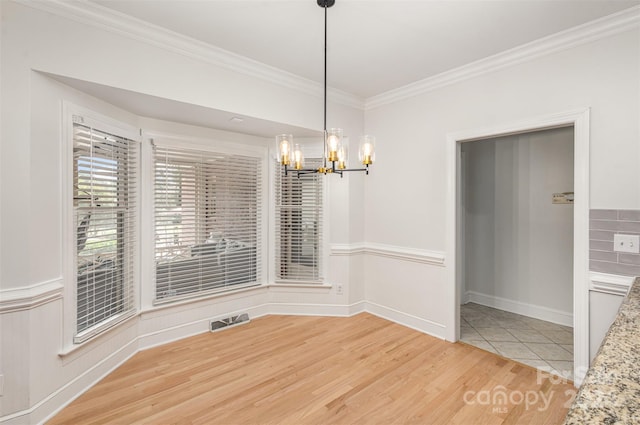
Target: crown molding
109,20
93,14
591,31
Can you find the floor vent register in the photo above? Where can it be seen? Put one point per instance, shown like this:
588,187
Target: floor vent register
227,322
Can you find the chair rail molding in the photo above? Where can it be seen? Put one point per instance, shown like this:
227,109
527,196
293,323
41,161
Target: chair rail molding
347,249
28,297
610,283
415,255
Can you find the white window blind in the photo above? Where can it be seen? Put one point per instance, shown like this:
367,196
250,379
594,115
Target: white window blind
207,222
298,224
104,199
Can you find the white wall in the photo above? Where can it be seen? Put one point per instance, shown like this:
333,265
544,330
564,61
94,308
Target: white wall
518,245
406,196
478,169
39,377
399,208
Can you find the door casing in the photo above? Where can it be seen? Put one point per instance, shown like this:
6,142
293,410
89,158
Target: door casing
579,120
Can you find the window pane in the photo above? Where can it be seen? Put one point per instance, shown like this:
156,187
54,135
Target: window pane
299,224
104,195
207,219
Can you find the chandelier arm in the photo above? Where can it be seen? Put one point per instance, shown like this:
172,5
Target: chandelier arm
352,169
304,171
344,170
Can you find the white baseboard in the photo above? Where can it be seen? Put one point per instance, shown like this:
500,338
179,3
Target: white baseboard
297,309
55,402
48,407
525,309
185,330
464,297
423,325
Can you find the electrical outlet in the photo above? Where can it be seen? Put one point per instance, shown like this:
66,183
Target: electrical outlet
339,289
626,243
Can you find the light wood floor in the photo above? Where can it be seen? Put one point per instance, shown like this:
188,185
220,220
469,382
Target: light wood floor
320,370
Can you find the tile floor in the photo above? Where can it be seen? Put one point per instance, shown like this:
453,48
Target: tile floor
543,345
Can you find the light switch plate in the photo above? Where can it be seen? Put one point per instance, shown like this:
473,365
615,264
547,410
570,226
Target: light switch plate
626,243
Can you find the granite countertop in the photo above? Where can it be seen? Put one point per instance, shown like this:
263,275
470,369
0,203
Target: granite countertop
610,393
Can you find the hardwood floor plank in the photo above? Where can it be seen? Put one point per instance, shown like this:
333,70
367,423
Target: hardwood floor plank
319,370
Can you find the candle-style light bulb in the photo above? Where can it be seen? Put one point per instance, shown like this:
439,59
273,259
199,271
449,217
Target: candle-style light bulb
343,157
298,157
284,148
334,143
367,150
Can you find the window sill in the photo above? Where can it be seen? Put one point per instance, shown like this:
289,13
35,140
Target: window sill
293,286
69,352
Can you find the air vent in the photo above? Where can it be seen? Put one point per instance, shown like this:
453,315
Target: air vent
216,325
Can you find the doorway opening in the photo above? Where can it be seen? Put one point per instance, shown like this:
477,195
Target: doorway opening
577,123
517,247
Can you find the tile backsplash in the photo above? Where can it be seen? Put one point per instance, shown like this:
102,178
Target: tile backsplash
603,224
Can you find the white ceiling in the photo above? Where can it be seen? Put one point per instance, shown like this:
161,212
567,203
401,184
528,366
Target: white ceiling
374,46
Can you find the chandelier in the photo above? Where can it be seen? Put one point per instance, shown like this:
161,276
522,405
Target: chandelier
290,155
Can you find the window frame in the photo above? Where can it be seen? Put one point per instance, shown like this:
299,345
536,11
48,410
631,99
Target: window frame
72,114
